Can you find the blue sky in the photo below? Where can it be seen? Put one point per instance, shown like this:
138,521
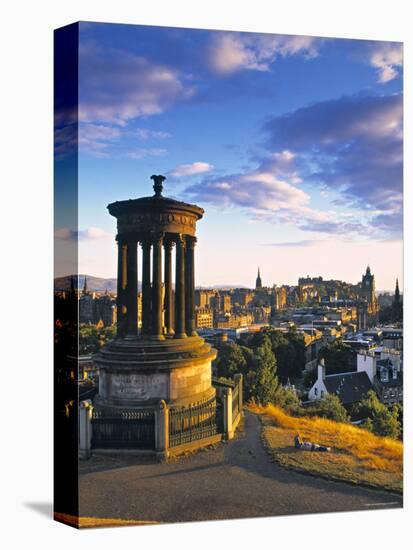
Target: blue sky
291,144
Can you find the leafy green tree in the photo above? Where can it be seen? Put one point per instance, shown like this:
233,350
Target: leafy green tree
288,348
262,381
288,400
330,407
338,357
380,419
231,360
309,378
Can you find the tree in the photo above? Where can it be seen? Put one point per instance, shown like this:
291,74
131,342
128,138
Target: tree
380,419
310,377
330,407
338,357
231,360
288,400
288,348
262,381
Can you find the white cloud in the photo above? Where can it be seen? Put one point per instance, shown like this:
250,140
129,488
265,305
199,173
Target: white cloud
95,138
91,233
387,58
185,170
117,86
145,134
231,52
271,194
142,152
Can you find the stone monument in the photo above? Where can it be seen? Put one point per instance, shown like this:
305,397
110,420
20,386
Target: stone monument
165,359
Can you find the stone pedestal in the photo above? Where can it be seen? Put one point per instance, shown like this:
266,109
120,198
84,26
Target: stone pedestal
141,372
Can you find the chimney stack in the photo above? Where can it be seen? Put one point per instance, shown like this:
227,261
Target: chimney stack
321,370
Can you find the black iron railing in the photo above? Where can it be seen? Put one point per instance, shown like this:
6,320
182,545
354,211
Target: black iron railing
132,430
195,422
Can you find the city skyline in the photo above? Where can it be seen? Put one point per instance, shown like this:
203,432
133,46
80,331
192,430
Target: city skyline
291,144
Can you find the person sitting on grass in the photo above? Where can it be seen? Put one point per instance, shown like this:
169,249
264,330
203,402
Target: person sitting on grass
307,446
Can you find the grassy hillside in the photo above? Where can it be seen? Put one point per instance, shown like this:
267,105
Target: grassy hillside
357,456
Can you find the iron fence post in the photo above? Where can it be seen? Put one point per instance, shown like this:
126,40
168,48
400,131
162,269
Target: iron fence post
85,428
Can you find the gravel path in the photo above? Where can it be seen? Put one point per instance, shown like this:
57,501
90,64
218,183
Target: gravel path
234,480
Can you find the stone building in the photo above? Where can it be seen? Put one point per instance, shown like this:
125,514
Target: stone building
369,306
204,317
203,297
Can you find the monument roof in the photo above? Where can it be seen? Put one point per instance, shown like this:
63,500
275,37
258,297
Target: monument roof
155,203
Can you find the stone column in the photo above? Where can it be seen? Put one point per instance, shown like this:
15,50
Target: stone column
180,288
121,284
132,289
157,333
190,286
168,288
146,287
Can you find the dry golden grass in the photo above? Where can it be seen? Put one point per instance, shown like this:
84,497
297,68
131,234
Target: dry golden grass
358,455
88,522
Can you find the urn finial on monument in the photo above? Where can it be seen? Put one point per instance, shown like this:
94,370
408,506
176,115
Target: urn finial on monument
158,184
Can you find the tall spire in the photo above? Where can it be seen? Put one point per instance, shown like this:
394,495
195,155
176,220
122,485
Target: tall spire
397,305
85,286
258,282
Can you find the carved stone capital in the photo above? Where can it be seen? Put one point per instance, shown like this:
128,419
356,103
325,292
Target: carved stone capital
191,242
180,240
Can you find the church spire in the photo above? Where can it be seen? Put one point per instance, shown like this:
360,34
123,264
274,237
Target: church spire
85,286
397,305
397,290
258,282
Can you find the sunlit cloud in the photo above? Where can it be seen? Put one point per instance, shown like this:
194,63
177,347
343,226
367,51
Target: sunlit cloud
187,170
353,146
91,233
232,52
387,58
118,86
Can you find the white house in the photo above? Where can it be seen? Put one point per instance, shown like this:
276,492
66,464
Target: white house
378,369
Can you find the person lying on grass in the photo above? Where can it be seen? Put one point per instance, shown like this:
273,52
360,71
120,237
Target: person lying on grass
307,446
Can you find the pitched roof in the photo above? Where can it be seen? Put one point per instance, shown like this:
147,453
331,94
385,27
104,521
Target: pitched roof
349,387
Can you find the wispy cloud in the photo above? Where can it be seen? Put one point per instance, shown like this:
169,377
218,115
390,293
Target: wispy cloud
145,134
96,138
352,145
142,152
118,86
299,244
272,193
232,52
387,58
193,169
90,233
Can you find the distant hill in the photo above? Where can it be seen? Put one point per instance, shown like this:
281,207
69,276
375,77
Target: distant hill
94,284
220,287
99,284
